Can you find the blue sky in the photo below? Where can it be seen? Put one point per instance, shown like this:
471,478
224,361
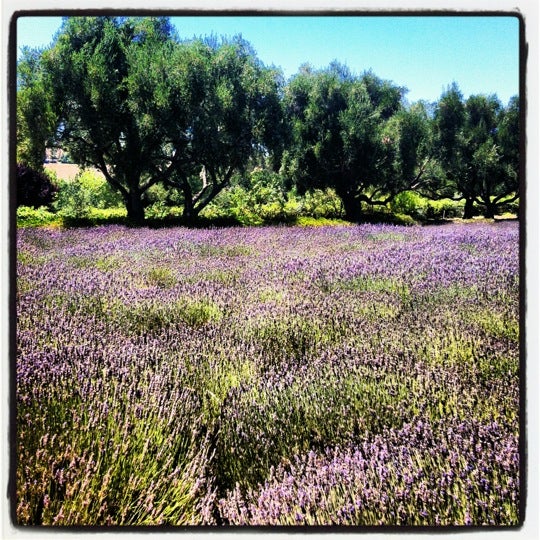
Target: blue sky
424,54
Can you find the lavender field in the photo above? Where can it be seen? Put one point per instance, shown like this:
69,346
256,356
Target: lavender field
355,375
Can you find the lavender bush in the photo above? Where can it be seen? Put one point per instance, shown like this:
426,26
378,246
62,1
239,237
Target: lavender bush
355,375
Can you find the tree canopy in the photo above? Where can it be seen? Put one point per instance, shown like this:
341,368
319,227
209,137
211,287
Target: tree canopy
142,107
477,143
127,96
352,133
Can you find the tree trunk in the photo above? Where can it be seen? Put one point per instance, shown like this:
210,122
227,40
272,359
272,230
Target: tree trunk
134,206
468,211
490,210
351,207
189,213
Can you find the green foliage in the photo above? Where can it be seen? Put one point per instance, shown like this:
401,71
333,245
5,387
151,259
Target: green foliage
76,198
321,204
152,316
160,211
477,144
420,208
352,133
161,277
410,203
35,113
35,217
172,124
385,216
444,209
306,221
124,95
254,199
222,97
96,216
261,197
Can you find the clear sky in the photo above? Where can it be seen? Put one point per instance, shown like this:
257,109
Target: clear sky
425,54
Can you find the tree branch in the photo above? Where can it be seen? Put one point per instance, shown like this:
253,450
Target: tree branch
102,166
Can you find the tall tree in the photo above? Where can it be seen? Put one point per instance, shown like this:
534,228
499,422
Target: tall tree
501,185
449,124
353,134
478,146
142,107
409,132
213,111
35,118
88,71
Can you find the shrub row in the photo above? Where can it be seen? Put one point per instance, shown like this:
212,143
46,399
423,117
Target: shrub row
254,199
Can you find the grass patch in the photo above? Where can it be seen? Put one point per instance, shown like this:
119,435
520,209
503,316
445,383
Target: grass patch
82,261
213,377
291,336
496,324
376,310
26,257
308,221
271,295
450,293
162,277
108,263
379,285
24,286
140,318
150,316
200,312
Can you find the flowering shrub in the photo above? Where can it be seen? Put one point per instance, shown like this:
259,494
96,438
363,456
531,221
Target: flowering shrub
418,474
354,375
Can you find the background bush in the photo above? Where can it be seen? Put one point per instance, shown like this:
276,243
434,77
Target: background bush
87,190
262,198
255,198
412,204
35,217
34,188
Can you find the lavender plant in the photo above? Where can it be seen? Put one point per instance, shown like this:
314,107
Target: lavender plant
354,375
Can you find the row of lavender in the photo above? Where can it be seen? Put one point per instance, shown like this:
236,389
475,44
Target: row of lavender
362,375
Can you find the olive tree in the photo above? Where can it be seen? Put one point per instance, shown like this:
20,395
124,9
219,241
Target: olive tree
35,119
212,106
477,142
352,133
141,106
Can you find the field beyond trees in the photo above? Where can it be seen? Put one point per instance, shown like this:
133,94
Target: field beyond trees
350,375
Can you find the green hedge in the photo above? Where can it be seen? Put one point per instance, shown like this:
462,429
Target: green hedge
36,217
